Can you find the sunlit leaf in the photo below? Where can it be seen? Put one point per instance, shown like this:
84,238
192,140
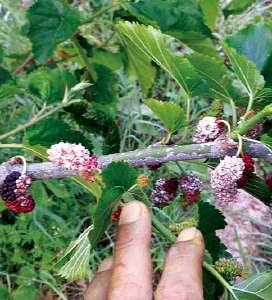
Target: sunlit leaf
257,287
237,6
216,74
245,70
78,265
210,10
170,114
151,42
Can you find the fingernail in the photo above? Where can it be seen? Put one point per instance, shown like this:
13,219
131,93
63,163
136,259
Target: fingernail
187,234
105,265
131,212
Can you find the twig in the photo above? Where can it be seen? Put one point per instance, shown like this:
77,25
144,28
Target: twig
99,13
42,114
141,157
20,68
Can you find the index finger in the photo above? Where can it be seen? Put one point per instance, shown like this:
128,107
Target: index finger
131,274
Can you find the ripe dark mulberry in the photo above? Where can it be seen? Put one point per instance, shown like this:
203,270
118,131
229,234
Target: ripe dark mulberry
153,167
165,191
9,185
14,193
24,204
190,186
268,180
248,170
249,163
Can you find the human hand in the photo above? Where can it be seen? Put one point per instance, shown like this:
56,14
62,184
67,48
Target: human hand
128,275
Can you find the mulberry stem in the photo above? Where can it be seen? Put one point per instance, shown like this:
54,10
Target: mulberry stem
139,158
245,126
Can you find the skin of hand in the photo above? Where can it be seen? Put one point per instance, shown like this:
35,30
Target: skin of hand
128,275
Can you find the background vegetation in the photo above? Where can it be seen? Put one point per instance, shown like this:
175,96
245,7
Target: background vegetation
180,52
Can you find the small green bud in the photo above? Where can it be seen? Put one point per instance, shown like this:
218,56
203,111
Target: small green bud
178,227
229,268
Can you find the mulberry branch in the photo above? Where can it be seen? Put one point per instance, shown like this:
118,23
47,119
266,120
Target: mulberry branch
142,157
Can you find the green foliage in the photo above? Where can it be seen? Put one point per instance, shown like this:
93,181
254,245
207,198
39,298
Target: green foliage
259,189
78,265
119,174
140,66
257,287
170,114
173,15
109,59
246,71
49,84
210,10
111,117
50,23
210,220
4,75
216,74
267,139
8,90
104,89
237,7
255,43
151,42
182,19
118,178
51,131
211,287
25,293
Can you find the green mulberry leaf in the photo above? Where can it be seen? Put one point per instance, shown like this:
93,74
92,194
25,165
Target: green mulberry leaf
51,22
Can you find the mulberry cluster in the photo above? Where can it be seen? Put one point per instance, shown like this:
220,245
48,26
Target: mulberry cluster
225,177
74,157
165,191
248,171
14,193
268,180
190,186
208,129
154,166
229,268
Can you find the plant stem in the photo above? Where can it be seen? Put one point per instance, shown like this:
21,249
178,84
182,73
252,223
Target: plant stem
169,236
227,286
234,113
84,57
188,112
99,13
140,157
42,114
249,106
245,126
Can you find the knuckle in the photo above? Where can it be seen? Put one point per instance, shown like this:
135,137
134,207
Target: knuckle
129,237
123,283
164,293
124,243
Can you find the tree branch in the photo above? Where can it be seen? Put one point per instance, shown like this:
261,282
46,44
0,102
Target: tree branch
141,157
